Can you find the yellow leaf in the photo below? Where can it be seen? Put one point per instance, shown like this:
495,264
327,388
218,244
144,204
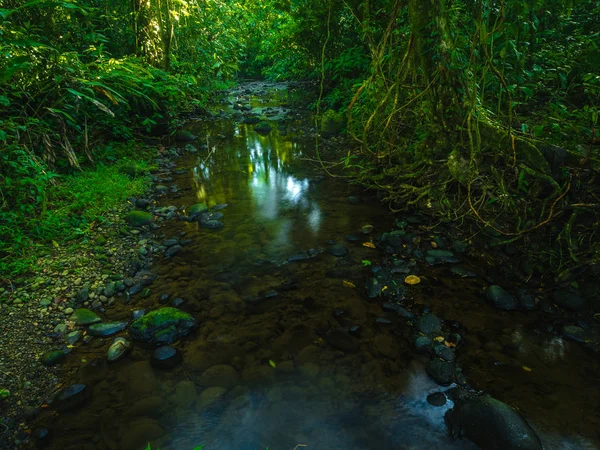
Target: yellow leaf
272,363
55,244
348,284
412,279
449,344
70,346
527,369
439,339
434,244
369,244
383,288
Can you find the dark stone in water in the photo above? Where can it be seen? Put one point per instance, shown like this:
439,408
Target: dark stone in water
429,324
374,287
353,200
170,242
177,302
354,330
353,238
142,203
162,326
338,312
341,340
398,309
570,299
71,397
138,313
526,300
442,372
165,357
436,399
382,321
172,251
423,344
338,250
501,299
219,207
491,424
42,437
299,257
106,329
211,224
208,216
445,353
574,333
164,298
462,272
440,257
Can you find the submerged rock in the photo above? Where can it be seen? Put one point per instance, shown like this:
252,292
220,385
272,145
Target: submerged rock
429,324
71,397
165,357
442,372
211,224
338,250
119,347
569,299
162,326
501,299
491,424
196,210
106,329
54,357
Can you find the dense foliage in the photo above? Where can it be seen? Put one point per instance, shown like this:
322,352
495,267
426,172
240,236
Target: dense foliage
487,109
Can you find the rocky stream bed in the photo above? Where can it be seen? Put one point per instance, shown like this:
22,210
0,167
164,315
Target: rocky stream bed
248,301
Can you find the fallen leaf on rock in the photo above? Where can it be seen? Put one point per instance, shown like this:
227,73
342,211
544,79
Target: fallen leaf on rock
527,369
369,244
348,284
439,339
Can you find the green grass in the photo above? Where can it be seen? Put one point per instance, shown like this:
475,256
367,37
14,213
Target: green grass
72,203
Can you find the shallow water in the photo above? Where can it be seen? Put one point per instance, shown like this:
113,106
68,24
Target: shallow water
290,386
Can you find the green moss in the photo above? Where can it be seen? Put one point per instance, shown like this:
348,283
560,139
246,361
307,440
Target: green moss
138,218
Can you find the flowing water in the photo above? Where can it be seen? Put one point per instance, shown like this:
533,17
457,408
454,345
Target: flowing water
267,322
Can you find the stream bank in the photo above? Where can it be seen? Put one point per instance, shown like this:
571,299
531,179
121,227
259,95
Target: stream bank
308,330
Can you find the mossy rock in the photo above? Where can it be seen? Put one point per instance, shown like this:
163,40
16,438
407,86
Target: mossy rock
138,218
84,316
162,326
196,210
332,123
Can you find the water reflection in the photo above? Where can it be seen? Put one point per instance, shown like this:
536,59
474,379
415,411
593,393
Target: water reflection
257,173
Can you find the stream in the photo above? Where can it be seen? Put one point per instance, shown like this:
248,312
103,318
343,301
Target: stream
289,350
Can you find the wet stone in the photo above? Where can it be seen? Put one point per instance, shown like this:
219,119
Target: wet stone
338,250
162,326
429,324
398,309
442,372
54,357
165,357
574,333
435,257
73,337
71,397
501,299
138,313
423,344
82,295
84,316
353,200
197,210
211,224
219,207
106,329
119,347
172,251
382,321
436,399
341,340
353,238
462,272
443,352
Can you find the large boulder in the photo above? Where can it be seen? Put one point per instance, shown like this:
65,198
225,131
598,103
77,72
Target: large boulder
162,326
491,424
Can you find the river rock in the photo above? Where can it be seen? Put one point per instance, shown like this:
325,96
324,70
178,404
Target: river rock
119,347
197,210
574,333
73,337
398,309
263,128
84,316
106,329
569,299
429,324
54,357
210,396
436,399
162,326
501,299
338,250
141,433
443,352
211,224
491,424
138,218
71,397
442,372
185,394
341,340
165,357
172,250
220,375
83,295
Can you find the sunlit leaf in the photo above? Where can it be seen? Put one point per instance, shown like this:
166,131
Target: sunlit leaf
369,244
412,279
348,284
